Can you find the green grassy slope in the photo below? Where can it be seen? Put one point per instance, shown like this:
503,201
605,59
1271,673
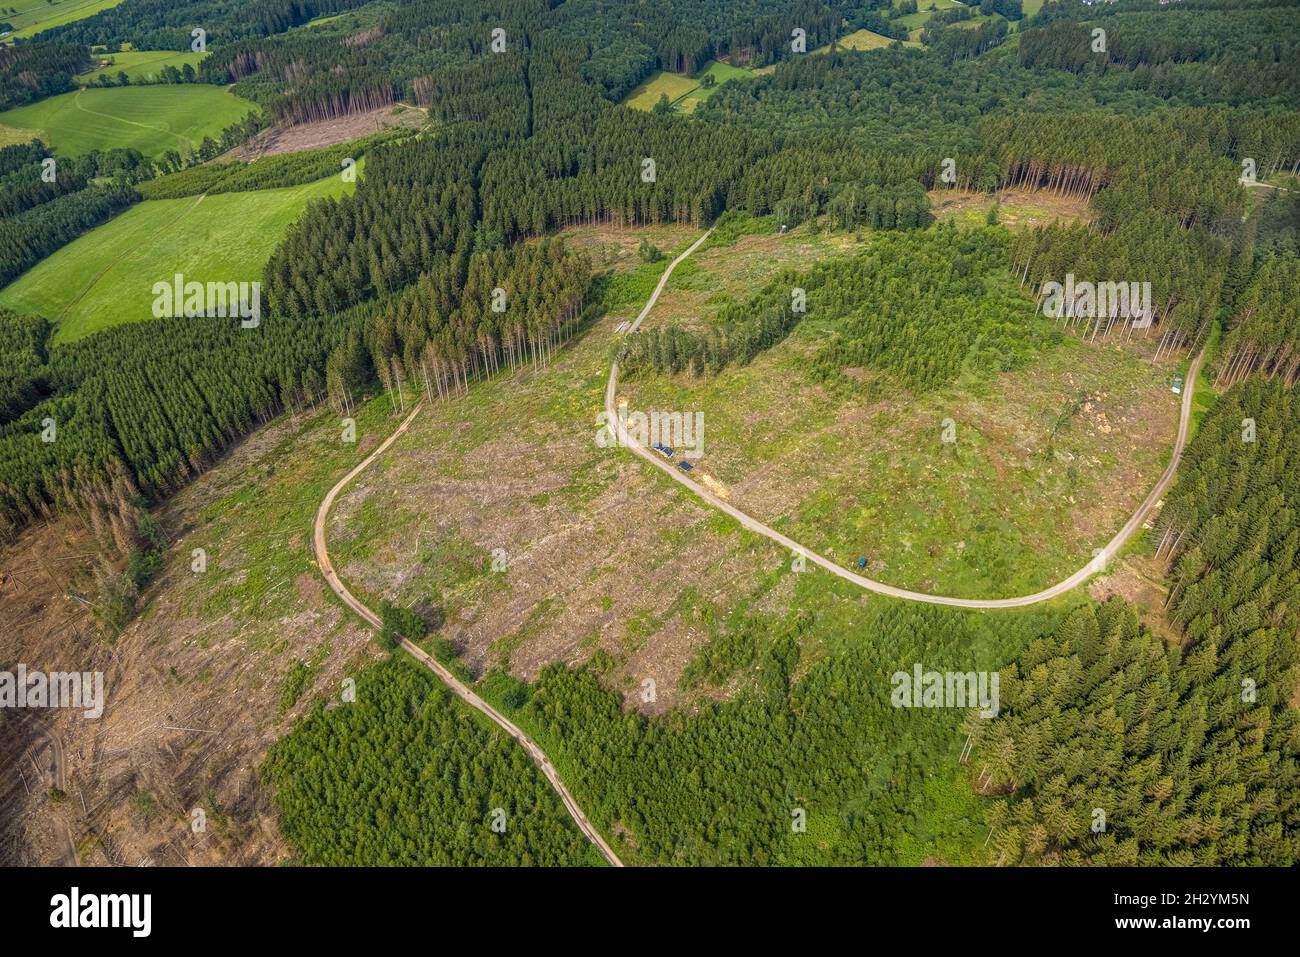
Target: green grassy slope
151,119
140,65
105,278
33,16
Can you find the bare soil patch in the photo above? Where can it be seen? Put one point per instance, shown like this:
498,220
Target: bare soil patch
1017,208
601,555
1140,581
310,136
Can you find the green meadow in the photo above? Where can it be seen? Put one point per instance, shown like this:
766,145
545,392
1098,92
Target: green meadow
151,119
685,93
105,277
139,65
33,16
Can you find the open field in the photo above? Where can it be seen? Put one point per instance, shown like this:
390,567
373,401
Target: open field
139,65
861,40
33,16
151,119
721,72
864,40
924,8
105,277
685,93
1017,209
1048,462
663,83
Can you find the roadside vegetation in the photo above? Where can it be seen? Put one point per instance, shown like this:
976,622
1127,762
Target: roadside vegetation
139,66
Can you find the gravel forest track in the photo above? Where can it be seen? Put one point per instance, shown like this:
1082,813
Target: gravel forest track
1097,564
458,687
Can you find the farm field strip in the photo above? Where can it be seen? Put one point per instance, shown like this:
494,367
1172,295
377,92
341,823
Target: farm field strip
33,16
151,119
226,237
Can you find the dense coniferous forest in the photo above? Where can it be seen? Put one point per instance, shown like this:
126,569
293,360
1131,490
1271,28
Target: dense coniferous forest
1221,52
402,777
22,354
1190,754
508,307
167,25
30,73
162,397
720,786
1265,335
52,217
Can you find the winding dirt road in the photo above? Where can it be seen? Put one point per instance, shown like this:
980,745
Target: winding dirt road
1097,564
462,691
459,688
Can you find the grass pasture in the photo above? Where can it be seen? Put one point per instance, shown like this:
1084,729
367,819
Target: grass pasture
685,93
860,40
139,65
151,119
105,277
673,85
924,8
33,16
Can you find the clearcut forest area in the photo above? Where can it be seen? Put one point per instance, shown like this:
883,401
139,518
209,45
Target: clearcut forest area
829,433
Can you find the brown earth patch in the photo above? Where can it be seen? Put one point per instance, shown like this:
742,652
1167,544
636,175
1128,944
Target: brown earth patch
310,136
1140,581
1017,208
